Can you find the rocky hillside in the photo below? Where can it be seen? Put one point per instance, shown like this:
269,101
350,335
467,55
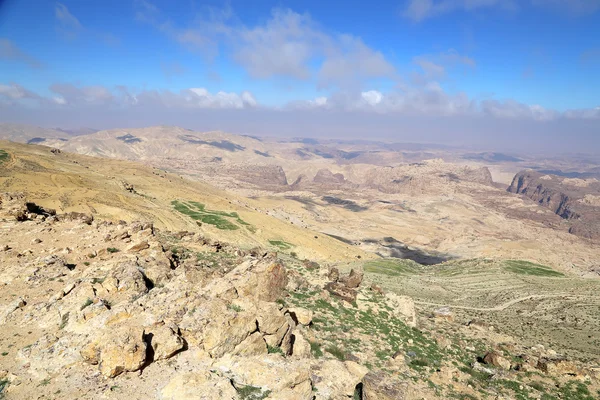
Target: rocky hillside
576,200
105,309
431,176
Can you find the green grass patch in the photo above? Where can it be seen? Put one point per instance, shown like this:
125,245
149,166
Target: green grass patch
3,385
274,350
252,392
220,219
87,303
282,245
392,267
315,349
529,268
336,352
112,250
4,156
574,390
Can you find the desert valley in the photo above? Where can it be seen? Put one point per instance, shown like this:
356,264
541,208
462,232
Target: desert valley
162,262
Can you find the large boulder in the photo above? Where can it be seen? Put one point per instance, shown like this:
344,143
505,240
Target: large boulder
335,379
117,350
226,329
270,373
378,385
164,340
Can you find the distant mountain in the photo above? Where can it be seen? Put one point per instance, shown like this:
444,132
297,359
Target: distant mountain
78,131
491,157
31,134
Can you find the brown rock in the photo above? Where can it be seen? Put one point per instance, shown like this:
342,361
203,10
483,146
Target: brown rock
377,289
342,291
495,359
378,385
139,247
334,274
354,279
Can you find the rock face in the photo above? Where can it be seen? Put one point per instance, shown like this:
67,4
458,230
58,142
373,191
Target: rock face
571,199
327,177
431,176
117,351
259,175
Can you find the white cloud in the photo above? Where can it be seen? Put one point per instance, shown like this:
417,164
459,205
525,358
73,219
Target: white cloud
514,110
591,113
420,10
202,98
16,92
429,100
372,97
288,44
9,51
84,95
68,23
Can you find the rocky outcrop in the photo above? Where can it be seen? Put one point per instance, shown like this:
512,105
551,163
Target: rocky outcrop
546,192
431,176
325,176
567,198
259,175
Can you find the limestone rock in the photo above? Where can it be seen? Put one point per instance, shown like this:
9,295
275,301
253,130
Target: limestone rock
559,367
302,315
253,345
165,341
444,314
117,351
378,385
300,346
263,281
270,318
224,332
334,380
269,372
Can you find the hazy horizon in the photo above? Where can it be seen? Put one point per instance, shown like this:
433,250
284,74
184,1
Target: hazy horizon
505,76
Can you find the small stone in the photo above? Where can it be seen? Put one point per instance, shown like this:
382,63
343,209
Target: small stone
36,241
139,247
495,359
68,289
444,313
334,274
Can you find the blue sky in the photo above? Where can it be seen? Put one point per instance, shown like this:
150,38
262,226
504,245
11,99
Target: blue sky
517,59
